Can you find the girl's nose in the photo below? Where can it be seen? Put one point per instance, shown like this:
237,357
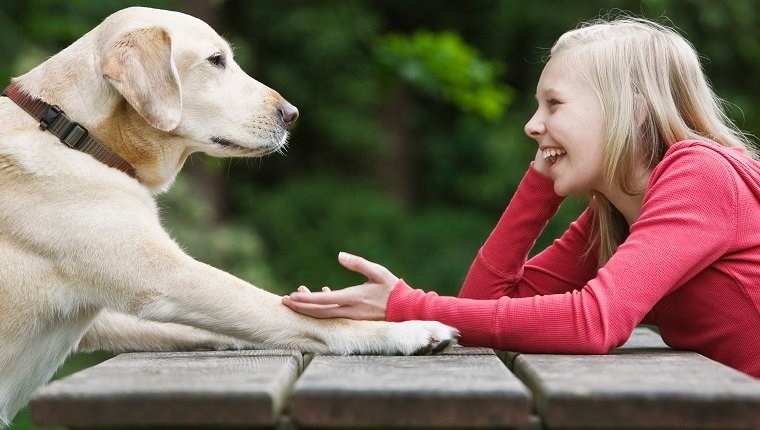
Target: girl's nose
534,128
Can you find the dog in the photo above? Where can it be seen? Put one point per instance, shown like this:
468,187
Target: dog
87,138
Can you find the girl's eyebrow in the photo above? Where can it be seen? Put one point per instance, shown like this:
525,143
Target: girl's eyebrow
547,92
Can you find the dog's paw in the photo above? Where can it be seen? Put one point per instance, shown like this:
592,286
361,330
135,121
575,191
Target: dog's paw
388,338
420,338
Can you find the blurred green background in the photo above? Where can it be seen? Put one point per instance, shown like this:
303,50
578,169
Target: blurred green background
410,139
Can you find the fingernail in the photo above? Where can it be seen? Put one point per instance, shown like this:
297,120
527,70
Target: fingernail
343,257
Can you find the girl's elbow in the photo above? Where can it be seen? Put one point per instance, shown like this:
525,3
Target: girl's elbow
600,348
602,345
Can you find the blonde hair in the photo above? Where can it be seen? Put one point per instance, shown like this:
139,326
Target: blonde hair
653,93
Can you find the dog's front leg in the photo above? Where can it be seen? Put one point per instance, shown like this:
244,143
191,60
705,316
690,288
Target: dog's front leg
118,332
199,295
136,268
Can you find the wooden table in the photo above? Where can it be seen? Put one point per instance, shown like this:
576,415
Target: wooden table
642,385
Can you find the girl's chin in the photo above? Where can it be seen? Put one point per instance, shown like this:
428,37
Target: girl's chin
562,188
560,191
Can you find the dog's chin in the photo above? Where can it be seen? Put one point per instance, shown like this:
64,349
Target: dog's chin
234,149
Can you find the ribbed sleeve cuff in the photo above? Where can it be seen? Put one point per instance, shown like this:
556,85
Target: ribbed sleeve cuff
401,303
478,321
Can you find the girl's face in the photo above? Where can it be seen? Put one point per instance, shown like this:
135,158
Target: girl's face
569,128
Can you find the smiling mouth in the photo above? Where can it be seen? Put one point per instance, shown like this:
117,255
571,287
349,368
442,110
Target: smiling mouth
552,155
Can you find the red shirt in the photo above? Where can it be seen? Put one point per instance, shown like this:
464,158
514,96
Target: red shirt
690,266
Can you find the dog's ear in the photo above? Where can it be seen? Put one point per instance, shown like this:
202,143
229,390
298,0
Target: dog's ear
140,66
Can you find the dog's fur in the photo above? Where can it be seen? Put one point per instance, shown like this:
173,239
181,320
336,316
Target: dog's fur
85,262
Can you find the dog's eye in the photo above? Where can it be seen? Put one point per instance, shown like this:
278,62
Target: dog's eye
217,60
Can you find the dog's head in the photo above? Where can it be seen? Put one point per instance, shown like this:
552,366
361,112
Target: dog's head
179,75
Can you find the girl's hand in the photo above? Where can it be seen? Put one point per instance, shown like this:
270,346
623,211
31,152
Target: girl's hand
367,301
540,164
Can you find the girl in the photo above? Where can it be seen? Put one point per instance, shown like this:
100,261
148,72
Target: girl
671,236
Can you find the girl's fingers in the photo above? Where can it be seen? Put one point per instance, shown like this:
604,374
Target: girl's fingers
373,271
324,305
340,297
314,310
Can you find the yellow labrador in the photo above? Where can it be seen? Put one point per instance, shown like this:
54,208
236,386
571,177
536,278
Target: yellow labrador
86,138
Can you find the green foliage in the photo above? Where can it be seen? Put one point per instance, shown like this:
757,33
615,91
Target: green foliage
315,66
32,30
307,222
443,66
233,246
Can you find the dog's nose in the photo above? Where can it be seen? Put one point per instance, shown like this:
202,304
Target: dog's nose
289,113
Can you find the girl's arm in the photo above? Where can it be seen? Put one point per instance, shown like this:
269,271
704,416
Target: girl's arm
688,221
501,267
565,265
498,270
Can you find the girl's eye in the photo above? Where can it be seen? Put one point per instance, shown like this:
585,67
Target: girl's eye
552,102
217,60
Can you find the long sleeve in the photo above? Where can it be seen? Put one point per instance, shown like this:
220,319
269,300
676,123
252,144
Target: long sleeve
692,194
501,267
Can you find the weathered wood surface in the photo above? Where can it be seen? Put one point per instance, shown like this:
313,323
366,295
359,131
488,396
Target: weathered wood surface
225,388
643,384
463,388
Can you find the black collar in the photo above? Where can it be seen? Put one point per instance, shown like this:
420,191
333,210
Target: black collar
71,133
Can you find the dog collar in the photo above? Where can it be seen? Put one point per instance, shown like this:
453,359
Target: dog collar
71,133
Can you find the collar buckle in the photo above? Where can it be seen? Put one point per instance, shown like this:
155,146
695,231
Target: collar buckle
74,136
49,115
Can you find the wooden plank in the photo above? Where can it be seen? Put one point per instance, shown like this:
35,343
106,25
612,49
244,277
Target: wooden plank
460,388
467,350
185,389
641,385
641,338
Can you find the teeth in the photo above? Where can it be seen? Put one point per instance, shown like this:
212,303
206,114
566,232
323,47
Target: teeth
552,153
